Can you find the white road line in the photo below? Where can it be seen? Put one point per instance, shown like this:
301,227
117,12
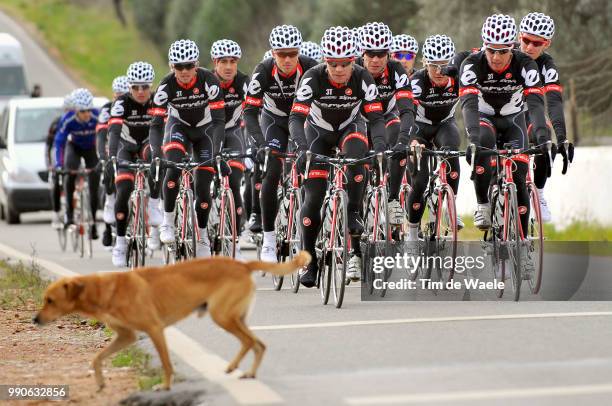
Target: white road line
429,320
460,396
208,364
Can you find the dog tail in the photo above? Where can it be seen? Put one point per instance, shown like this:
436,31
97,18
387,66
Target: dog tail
300,260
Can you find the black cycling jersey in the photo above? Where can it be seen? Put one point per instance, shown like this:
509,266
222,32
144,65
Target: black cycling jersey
553,90
102,130
435,104
194,105
332,106
500,94
273,91
234,93
129,123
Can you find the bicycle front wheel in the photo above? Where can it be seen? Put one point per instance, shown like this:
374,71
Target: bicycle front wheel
446,234
227,226
535,241
339,245
294,239
188,226
512,239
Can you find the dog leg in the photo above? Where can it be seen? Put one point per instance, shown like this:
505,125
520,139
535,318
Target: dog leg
124,338
157,336
258,348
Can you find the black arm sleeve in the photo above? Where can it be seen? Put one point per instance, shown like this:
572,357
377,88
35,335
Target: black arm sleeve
251,121
296,129
101,143
156,136
471,116
535,104
554,100
218,123
406,110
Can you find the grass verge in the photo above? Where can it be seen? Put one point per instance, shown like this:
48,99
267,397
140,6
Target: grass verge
87,38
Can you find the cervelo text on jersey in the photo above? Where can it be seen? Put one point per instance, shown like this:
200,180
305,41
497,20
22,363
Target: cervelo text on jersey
393,84
131,119
234,94
500,93
190,103
332,106
434,104
274,91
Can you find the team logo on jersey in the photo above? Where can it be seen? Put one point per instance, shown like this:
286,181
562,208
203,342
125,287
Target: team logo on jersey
305,91
508,75
348,91
254,85
211,91
468,77
370,91
550,75
401,80
117,109
161,97
196,90
416,89
530,76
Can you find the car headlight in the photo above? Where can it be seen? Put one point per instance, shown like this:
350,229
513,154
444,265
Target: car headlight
20,175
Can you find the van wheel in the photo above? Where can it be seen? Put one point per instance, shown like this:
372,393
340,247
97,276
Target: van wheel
12,216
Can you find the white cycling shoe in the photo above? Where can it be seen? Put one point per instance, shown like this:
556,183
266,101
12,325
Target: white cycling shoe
353,271
268,249
203,246
119,253
155,213
482,216
153,242
109,209
167,233
396,213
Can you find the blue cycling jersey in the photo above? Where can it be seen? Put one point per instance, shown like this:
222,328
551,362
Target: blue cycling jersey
79,133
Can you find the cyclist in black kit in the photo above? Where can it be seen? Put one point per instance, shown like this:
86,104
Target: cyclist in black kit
330,100
271,91
395,94
404,49
536,32
128,129
436,94
192,100
225,54
493,86
120,87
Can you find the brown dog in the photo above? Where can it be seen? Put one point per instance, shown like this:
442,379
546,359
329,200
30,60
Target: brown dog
150,299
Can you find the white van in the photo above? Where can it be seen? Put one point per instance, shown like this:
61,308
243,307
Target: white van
12,73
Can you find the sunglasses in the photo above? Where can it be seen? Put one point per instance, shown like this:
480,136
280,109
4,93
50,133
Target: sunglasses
140,87
438,66
501,51
184,66
342,64
376,54
290,54
536,44
408,56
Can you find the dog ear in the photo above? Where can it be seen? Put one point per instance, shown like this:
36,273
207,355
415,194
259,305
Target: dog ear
73,289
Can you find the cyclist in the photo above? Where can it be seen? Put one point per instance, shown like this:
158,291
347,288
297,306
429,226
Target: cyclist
329,100
271,91
355,34
120,86
436,94
311,50
129,141
76,139
56,124
267,54
536,32
404,49
395,93
225,54
493,86
192,99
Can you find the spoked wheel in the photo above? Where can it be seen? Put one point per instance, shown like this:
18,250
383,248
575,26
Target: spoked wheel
402,232
324,254
136,251
187,232
87,222
339,246
445,242
534,242
227,225
294,239
378,235
282,232
512,239
81,225
494,237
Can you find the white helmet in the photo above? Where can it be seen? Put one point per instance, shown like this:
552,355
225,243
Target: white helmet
68,104
121,85
141,72
311,50
538,24
267,55
183,51
499,29
225,48
404,43
375,36
338,42
438,48
285,36
82,99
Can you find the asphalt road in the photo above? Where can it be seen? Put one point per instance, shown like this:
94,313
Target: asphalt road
425,352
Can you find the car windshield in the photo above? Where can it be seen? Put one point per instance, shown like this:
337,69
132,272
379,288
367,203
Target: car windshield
12,81
32,125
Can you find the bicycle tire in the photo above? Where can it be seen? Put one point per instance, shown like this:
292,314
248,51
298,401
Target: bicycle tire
324,280
339,246
130,252
81,226
188,236
512,238
446,223
494,236
294,239
141,236
227,225
62,238
535,239
280,226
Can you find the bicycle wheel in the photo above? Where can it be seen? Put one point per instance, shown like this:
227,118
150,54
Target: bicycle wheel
324,253
294,239
446,234
512,239
131,231
494,239
227,225
141,235
378,234
339,245
81,223
88,222
280,225
404,193
212,227
535,240
188,225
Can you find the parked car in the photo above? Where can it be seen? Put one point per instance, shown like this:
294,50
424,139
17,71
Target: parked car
23,171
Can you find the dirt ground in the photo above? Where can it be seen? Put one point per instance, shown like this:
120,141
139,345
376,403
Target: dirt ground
59,353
